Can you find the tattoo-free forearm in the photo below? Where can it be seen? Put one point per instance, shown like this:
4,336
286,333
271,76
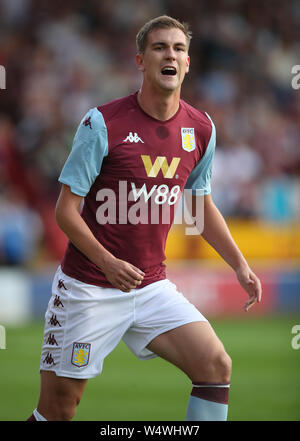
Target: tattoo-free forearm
78,232
217,234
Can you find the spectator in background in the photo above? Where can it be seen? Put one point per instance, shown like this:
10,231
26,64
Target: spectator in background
20,229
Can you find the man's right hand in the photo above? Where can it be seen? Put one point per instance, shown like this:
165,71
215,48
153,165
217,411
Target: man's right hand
122,275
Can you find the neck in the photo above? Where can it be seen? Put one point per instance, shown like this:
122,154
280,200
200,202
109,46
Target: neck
159,106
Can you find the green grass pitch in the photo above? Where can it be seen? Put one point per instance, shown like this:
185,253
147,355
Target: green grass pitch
265,380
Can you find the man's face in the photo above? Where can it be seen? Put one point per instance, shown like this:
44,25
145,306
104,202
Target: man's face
165,60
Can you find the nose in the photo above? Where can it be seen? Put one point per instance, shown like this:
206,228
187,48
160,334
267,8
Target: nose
170,53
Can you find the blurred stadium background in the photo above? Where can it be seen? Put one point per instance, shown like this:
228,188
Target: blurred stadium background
62,58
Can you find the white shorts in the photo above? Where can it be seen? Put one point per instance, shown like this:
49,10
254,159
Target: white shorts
84,323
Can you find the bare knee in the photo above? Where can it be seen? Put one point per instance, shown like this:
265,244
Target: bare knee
58,407
214,368
223,365
63,407
59,397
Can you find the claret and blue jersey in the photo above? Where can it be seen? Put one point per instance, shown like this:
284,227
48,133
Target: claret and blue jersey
129,166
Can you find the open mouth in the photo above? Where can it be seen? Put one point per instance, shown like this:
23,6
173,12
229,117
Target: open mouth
169,70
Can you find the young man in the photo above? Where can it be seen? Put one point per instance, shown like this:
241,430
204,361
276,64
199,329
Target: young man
111,284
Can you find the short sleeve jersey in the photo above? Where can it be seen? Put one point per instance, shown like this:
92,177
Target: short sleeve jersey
131,170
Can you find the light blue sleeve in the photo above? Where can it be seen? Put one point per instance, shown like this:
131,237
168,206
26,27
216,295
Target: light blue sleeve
200,176
90,146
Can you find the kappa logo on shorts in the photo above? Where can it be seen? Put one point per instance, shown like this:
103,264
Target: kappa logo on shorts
61,284
57,302
51,340
81,354
49,359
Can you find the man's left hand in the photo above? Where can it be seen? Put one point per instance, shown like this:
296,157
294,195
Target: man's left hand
251,284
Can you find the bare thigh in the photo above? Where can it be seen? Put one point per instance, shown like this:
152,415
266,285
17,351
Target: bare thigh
195,349
59,396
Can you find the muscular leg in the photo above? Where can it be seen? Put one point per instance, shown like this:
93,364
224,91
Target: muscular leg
59,396
197,351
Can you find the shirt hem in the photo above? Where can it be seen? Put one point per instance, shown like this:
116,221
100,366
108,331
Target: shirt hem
106,284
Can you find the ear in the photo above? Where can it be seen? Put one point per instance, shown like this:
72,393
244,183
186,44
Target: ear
187,65
140,62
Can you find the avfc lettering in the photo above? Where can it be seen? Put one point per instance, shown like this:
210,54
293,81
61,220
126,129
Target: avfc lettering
81,354
188,139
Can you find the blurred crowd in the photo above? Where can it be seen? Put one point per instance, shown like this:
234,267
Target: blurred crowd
64,57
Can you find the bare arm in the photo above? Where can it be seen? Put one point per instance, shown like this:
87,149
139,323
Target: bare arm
121,274
217,234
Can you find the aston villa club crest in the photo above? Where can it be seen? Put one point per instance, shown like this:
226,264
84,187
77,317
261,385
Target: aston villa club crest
81,354
188,139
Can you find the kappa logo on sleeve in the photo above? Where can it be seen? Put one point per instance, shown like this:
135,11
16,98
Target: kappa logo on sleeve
81,354
87,122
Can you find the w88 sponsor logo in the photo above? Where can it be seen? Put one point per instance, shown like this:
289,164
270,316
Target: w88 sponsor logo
163,194
148,204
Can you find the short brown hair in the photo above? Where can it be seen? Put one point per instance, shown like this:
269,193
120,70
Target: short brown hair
164,21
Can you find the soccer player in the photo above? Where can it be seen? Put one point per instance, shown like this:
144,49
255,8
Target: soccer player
145,148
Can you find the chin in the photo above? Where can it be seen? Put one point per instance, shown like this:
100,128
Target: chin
169,87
